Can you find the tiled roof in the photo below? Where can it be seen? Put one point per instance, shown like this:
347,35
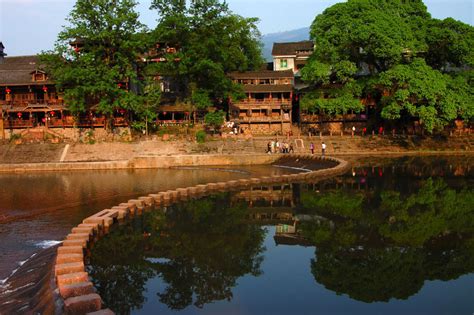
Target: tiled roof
263,74
290,49
17,71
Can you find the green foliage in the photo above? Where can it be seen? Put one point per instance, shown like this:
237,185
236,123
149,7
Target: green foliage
417,90
449,42
338,101
15,136
212,42
196,268
98,72
215,119
200,99
393,45
201,136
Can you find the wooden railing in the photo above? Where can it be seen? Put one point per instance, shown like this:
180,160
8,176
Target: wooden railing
314,118
20,104
245,119
65,122
275,103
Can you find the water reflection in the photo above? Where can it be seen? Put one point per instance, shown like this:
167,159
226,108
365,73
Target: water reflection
379,234
198,249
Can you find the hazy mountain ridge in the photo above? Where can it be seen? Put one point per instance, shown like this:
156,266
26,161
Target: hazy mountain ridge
288,36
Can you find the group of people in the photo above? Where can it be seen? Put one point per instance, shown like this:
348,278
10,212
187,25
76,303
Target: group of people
323,148
276,146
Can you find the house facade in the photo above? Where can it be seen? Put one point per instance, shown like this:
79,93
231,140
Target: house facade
266,108
292,55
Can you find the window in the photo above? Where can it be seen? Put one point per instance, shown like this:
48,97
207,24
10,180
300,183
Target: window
39,77
283,63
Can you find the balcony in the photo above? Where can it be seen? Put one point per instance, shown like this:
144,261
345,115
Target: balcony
263,104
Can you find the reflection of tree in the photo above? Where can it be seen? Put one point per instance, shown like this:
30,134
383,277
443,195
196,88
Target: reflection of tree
371,274
199,249
434,210
119,268
385,244
208,246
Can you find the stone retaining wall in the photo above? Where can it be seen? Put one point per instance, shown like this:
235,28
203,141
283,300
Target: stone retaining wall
146,162
72,280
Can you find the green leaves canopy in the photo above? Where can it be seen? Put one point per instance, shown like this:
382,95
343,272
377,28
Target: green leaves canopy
212,42
98,71
393,45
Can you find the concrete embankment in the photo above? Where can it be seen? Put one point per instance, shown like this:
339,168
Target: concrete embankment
119,152
146,162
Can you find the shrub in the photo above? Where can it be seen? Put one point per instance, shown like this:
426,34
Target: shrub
201,136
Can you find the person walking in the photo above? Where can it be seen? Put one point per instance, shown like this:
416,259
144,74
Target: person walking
323,149
311,147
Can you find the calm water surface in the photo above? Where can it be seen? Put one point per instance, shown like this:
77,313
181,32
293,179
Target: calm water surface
390,237
38,210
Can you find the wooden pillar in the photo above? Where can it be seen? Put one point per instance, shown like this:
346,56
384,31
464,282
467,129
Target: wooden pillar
2,127
281,120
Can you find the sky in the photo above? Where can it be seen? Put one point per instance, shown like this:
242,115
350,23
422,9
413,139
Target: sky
31,26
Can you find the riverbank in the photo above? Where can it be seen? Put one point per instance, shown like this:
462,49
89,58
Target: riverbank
230,151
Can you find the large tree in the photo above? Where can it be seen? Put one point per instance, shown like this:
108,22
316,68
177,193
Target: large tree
212,41
392,49
95,57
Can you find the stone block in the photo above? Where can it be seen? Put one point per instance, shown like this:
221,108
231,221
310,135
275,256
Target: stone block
123,211
95,226
158,198
83,304
138,203
69,258
82,243
221,185
201,188
70,250
71,278
76,289
132,206
174,194
94,220
82,230
147,200
78,236
61,269
182,192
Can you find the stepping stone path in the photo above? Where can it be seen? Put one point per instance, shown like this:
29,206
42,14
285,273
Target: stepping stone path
72,280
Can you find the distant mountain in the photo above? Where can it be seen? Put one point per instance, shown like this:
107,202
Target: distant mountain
288,36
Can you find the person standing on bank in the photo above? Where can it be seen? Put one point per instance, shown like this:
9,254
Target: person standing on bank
311,147
323,149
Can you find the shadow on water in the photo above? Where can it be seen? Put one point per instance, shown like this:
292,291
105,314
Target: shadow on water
379,234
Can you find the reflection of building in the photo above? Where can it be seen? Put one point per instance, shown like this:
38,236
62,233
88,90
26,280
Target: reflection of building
269,204
275,205
266,107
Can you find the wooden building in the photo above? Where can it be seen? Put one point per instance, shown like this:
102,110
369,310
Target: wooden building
266,109
27,96
292,55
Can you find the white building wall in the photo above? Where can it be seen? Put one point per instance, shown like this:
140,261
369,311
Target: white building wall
290,60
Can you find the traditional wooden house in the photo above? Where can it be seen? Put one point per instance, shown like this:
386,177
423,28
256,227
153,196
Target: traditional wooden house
292,55
266,109
27,96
